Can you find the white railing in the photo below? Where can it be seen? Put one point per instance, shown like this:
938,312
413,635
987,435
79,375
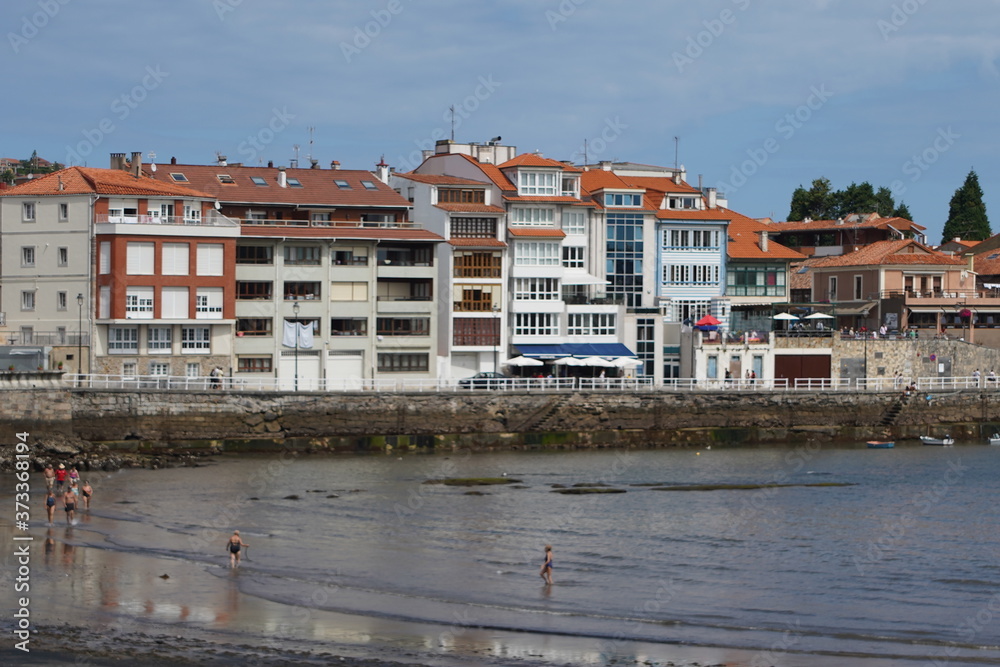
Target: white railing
309,384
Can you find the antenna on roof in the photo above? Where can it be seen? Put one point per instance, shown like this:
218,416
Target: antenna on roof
452,109
152,161
311,131
295,160
677,148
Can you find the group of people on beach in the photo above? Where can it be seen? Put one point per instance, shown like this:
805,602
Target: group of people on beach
66,486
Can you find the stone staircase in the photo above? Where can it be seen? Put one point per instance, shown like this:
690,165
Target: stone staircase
546,417
891,413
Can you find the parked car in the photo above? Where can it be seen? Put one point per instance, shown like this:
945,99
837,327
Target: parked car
486,380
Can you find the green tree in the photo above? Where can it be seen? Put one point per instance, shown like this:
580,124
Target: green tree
902,212
813,203
853,199
967,213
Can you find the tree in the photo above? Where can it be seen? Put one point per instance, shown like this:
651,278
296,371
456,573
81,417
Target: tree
853,199
967,213
813,203
902,212
822,202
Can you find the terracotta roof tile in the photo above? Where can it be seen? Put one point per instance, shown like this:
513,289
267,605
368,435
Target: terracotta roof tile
91,180
541,232
477,243
531,160
883,253
870,220
440,179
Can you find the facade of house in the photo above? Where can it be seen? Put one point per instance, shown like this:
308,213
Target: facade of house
821,238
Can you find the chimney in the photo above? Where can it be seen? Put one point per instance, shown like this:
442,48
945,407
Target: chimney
137,164
382,171
605,165
282,178
335,165
118,161
957,239
712,195
763,241
677,178
222,160
270,164
173,160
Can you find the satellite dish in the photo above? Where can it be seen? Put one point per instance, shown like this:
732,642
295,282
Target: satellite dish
152,167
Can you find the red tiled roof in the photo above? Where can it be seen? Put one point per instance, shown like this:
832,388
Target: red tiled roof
661,184
318,186
745,244
542,232
869,220
470,208
336,232
440,179
882,253
596,179
477,243
540,199
490,171
531,160
113,182
686,214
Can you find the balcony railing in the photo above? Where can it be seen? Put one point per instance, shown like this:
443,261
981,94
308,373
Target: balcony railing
354,224
213,219
45,338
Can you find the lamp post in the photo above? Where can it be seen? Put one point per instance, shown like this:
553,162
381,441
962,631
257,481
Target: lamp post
79,336
295,309
496,339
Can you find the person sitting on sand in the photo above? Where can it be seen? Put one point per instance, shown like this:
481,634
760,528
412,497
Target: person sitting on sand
234,545
546,572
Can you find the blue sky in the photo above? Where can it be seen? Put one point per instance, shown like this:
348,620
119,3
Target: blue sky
763,96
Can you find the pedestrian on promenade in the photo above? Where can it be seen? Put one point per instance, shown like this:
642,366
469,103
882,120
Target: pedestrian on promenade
234,545
546,572
216,378
50,476
50,506
69,504
60,477
86,491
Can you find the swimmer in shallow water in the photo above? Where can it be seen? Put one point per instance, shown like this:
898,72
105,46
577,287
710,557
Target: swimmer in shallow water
234,545
546,572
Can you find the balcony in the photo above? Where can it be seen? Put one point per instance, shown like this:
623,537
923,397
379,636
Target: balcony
70,338
213,219
325,224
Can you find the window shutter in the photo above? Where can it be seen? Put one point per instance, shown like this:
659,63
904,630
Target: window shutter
175,303
210,259
175,259
140,260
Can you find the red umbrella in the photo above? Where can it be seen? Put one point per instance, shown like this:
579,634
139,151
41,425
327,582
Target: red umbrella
707,321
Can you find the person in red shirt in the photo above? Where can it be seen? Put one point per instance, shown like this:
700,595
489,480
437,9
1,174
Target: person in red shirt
61,476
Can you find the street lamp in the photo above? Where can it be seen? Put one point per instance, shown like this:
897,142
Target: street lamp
79,336
496,338
295,309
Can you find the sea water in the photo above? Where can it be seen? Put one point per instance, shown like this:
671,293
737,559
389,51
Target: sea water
879,553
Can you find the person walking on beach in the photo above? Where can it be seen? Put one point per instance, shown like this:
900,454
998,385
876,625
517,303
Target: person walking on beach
234,545
50,476
69,504
50,506
73,476
546,572
60,477
86,491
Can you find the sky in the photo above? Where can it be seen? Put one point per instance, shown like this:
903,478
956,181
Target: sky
755,98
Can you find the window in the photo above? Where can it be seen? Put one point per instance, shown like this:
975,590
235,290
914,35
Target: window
179,178
858,288
302,255
622,199
123,340
755,281
573,257
320,219
403,326
61,301
342,184
62,256
259,181
195,339
254,254
473,228
684,203
694,238
570,186
690,274
159,368
175,259
474,298
295,290
249,290
574,222
139,303
174,303
28,256
63,212
349,326
832,296
192,370
536,253
210,259
28,300
158,339
130,369
457,196
369,185
536,324
254,326
226,179
391,362
350,257
592,324
140,259
476,331
28,211
294,182
624,257
356,291
538,182
472,264
192,215
104,260
254,365
208,303
536,289
523,216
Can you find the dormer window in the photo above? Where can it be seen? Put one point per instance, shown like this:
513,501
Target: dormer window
542,183
622,199
683,203
570,187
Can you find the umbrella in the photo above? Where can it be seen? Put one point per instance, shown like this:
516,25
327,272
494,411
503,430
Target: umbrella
523,361
596,361
819,316
707,321
567,361
785,316
626,362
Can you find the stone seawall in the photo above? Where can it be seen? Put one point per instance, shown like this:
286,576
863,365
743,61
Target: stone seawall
362,420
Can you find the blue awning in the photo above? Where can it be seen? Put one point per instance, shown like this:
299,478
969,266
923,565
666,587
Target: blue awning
575,350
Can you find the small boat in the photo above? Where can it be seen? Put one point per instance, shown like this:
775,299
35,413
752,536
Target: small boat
994,439
941,442
881,444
